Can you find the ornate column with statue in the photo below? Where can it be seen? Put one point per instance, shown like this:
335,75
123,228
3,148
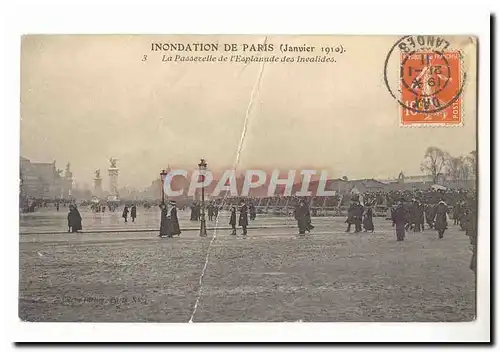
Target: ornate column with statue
113,180
67,182
98,184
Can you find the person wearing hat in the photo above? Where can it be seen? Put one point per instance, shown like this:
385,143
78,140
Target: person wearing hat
368,218
303,218
457,210
440,221
133,212
243,220
350,216
429,215
417,214
125,213
164,220
194,215
173,221
399,218
357,216
462,215
232,220
74,219
421,217
471,230
210,210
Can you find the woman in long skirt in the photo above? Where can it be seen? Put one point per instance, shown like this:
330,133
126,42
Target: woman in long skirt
173,228
368,220
441,223
74,219
164,220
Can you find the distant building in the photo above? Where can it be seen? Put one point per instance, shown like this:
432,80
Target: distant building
44,180
339,186
414,182
153,192
367,185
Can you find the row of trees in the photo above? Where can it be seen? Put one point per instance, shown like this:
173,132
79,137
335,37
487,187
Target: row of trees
440,164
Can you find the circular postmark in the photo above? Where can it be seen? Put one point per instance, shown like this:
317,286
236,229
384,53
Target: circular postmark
431,76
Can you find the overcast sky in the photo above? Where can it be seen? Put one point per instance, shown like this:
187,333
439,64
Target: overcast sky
85,99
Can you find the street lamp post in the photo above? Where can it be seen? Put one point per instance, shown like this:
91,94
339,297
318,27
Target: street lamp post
163,174
202,166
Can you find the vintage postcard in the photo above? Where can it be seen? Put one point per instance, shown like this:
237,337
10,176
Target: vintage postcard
248,178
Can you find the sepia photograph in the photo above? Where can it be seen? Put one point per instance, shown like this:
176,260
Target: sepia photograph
248,178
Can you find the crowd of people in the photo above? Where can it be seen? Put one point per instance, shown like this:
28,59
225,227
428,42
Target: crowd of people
30,205
407,210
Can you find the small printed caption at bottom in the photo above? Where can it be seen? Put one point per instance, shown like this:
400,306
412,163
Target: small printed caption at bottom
105,300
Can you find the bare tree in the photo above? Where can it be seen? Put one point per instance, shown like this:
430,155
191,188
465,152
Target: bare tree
466,169
472,161
454,168
434,162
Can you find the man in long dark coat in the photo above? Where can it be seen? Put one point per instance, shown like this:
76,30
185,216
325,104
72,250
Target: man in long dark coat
173,221
243,220
429,215
210,210
74,219
410,215
232,220
417,215
302,216
357,216
164,221
471,231
399,218
133,212
441,223
462,215
194,216
457,209
125,213
421,217
350,217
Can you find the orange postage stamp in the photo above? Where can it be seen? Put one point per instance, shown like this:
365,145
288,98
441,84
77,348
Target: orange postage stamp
431,80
